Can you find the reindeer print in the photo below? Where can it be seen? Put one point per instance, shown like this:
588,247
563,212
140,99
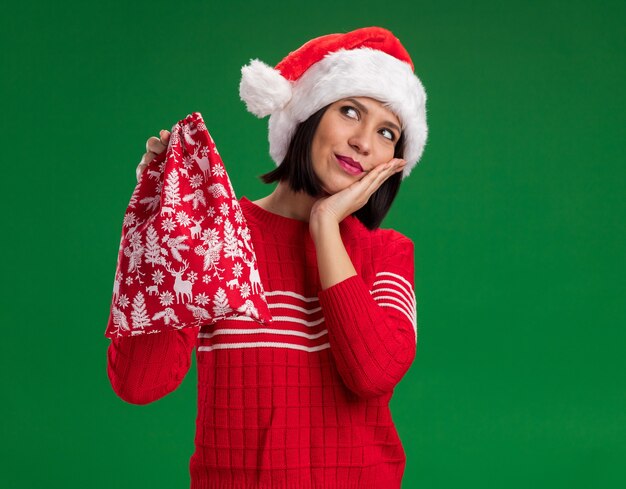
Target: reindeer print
182,288
203,163
190,233
233,283
151,289
255,278
196,230
154,174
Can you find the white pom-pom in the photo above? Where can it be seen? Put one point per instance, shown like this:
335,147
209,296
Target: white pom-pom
263,89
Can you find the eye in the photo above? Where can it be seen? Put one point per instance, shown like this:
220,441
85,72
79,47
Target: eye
348,108
391,135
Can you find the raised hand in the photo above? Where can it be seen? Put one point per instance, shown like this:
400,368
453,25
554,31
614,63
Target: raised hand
337,207
154,146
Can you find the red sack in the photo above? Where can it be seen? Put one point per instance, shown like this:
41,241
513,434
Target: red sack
185,257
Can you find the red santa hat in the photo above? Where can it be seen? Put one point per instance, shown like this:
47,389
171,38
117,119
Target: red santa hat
367,62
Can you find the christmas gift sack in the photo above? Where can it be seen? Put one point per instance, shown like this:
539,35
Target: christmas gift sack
185,256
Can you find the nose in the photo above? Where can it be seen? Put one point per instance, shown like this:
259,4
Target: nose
360,142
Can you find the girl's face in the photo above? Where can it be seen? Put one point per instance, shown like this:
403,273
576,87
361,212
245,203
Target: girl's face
354,136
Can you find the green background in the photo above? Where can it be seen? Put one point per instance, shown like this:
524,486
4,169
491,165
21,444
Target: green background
515,210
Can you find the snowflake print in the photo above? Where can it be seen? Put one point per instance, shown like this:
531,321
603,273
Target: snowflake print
187,162
192,276
123,301
167,298
204,151
218,170
202,299
211,211
239,217
237,270
157,277
218,220
196,181
129,280
129,219
210,236
183,218
206,278
168,224
244,290
224,209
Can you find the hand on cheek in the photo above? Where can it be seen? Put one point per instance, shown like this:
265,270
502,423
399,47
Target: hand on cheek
337,207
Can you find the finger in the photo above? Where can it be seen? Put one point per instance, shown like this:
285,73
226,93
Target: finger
147,158
367,185
165,136
139,170
385,172
143,164
377,175
396,165
400,168
155,145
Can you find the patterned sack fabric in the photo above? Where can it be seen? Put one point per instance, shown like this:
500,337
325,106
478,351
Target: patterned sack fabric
185,257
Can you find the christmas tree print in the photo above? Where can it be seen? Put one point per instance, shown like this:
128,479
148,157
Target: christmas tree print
139,315
231,246
220,301
153,248
184,243
172,192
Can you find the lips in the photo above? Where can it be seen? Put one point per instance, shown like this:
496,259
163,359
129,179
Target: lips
349,161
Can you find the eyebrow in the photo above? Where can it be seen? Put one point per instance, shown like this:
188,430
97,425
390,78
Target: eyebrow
364,109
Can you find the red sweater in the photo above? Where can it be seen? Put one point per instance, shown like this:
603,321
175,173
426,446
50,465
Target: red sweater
303,403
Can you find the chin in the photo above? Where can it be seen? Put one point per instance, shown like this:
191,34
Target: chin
335,182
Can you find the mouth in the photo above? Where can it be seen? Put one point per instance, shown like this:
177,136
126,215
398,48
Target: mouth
348,164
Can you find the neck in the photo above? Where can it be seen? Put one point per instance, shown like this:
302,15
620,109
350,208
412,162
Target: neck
287,203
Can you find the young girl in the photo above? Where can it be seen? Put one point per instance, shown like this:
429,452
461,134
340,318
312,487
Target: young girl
304,403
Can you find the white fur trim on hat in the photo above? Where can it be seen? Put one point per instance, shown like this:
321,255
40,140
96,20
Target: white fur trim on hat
361,72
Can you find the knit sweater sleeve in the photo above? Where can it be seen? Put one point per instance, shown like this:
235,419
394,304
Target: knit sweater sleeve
145,368
373,335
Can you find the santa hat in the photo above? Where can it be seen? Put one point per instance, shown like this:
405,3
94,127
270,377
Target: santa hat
367,62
